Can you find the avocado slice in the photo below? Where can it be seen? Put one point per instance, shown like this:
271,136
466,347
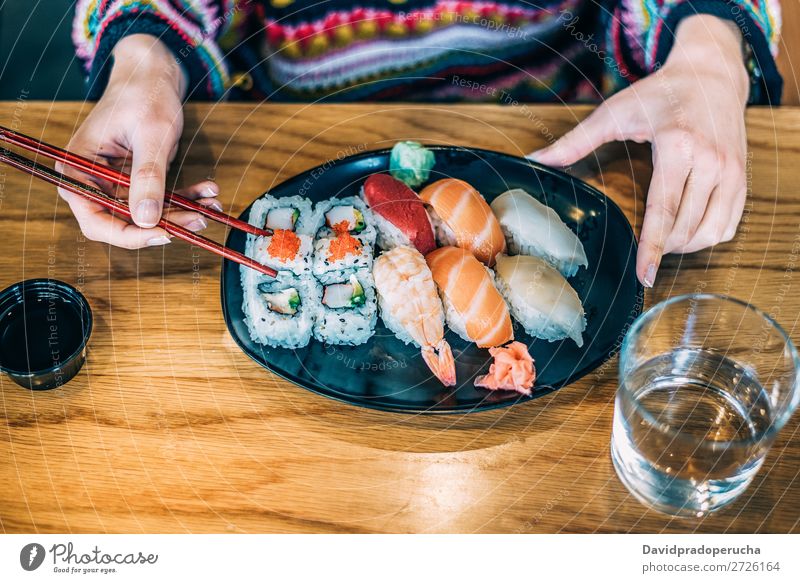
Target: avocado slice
285,301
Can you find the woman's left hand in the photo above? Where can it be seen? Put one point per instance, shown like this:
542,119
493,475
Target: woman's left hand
692,112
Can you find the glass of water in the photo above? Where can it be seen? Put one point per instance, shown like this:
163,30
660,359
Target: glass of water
706,383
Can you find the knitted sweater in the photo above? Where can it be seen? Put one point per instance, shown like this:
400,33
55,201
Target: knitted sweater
408,50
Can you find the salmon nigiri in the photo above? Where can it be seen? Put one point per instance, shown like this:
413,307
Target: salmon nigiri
474,309
461,217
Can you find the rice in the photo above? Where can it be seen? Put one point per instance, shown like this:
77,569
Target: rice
388,236
348,326
538,324
444,234
272,328
326,270
368,235
261,207
518,245
301,264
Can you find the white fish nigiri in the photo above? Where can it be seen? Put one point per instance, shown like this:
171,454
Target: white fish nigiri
540,298
411,308
532,228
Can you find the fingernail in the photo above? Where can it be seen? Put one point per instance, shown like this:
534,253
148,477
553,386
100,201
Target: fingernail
650,275
210,191
215,204
197,224
533,155
147,213
156,241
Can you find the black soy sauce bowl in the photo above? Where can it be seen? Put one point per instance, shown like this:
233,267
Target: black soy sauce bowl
45,325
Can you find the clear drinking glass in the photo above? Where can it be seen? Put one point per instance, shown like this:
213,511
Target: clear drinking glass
706,383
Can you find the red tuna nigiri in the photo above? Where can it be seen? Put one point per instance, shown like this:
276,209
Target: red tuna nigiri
395,202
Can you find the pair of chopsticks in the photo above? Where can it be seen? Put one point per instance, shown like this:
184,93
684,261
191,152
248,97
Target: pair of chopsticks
117,205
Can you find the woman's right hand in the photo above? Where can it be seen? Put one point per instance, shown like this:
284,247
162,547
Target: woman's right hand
135,127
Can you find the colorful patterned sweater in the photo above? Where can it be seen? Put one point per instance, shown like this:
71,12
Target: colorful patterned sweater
409,50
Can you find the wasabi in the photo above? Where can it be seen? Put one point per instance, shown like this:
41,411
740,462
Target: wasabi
411,162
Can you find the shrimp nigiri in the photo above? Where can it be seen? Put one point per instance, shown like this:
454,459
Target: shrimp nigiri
461,217
411,308
474,308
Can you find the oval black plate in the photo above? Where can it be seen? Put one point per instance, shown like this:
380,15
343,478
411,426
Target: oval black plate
386,374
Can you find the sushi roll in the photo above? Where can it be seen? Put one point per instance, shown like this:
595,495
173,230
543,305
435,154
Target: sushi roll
284,250
411,308
280,312
350,214
337,255
532,228
540,298
291,213
347,311
400,216
473,307
461,217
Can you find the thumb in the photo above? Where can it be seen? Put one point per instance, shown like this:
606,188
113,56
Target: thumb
151,154
602,126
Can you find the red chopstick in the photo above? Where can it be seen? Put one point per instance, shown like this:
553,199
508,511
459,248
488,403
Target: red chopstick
120,178
58,179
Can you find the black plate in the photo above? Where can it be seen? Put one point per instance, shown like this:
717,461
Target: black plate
386,374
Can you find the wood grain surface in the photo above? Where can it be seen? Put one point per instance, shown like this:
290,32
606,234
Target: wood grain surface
170,428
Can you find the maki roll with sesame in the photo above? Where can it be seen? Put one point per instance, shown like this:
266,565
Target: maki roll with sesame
280,312
348,311
350,214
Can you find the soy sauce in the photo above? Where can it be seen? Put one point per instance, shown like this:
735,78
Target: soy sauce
40,333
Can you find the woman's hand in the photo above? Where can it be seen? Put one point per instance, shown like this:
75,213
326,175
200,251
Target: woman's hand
692,112
135,127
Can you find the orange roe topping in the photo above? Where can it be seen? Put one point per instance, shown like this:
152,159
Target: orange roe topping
343,245
341,227
284,245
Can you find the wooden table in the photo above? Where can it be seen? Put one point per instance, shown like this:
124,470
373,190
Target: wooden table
170,428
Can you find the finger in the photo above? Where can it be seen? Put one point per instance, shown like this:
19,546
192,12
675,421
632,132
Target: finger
734,180
737,209
151,153
661,210
694,201
201,190
720,220
724,209
188,219
714,223
602,126
100,225
203,193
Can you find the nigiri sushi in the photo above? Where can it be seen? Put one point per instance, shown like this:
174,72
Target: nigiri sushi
533,228
540,298
399,214
411,308
462,218
474,309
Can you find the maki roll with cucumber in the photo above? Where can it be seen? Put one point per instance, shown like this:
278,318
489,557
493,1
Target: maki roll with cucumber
350,214
280,312
348,311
